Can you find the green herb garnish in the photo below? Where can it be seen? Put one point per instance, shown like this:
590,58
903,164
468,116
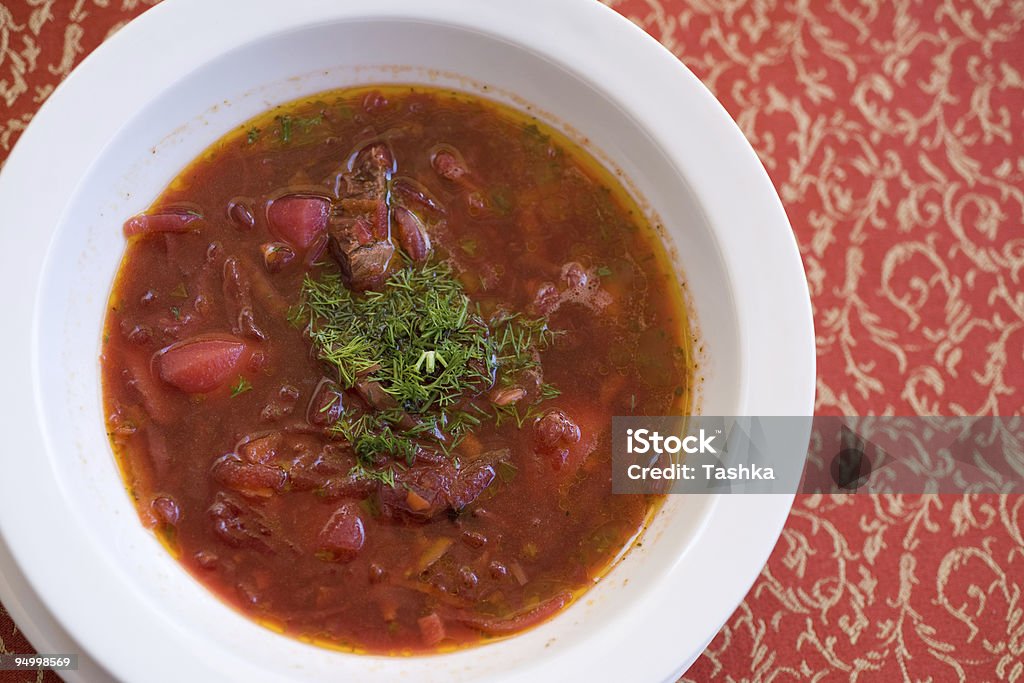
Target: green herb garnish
243,385
252,135
286,127
288,123
388,336
307,124
549,391
432,351
385,476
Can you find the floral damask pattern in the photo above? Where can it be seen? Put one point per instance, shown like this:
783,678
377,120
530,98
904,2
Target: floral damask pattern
892,130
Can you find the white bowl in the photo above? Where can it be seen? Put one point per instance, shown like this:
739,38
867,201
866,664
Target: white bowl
170,83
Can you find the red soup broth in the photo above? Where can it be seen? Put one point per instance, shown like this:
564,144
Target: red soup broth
227,421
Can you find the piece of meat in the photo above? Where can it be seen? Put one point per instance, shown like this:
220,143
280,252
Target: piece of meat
423,491
343,536
362,267
200,364
358,231
374,394
547,299
366,174
346,486
325,468
470,483
575,276
376,398
420,492
238,524
309,459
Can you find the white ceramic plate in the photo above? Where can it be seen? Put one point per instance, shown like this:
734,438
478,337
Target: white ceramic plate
170,83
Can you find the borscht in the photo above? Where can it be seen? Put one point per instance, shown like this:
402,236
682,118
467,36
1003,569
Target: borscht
360,361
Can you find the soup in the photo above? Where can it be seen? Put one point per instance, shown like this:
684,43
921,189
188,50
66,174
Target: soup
360,362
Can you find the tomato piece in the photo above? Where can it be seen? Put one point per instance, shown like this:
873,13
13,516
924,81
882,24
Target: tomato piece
200,364
168,221
432,629
299,219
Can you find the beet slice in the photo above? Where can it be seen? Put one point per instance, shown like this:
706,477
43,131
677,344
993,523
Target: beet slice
166,221
200,364
298,219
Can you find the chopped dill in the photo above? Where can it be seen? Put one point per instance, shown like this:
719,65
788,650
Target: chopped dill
243,385
289,123
385,476
431,350
307,124
549,391
419,337
385,441
285,124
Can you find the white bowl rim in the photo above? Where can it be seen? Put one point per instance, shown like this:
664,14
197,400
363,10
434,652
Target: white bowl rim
779,379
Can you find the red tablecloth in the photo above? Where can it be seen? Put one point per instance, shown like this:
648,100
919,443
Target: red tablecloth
892,130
